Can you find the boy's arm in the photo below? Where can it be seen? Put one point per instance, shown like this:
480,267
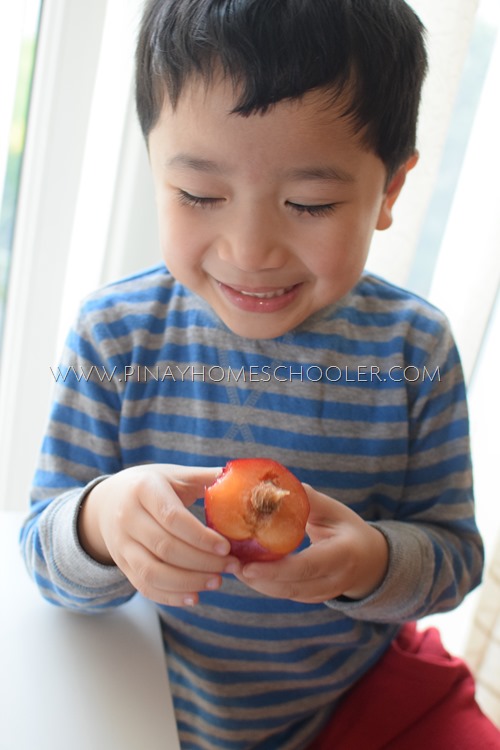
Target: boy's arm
435,549
69,467
55,559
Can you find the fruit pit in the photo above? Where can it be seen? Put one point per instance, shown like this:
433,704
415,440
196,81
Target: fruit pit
266,498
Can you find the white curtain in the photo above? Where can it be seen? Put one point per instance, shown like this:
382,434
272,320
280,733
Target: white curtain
483,649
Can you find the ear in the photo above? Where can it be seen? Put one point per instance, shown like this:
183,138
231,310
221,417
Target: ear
393,190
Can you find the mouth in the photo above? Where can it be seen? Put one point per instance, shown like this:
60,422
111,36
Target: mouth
265,295
261,299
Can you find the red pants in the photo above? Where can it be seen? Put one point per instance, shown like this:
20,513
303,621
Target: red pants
417,697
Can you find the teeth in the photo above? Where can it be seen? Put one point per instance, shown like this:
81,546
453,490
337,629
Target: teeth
265,295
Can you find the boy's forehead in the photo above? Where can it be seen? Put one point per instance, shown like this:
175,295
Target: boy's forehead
302,140
217,98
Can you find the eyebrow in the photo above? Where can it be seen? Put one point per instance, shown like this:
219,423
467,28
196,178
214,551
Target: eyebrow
187,161
323,173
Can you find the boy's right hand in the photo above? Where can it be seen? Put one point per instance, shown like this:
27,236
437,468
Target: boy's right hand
139,520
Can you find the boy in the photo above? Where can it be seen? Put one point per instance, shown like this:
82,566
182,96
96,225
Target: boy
280,135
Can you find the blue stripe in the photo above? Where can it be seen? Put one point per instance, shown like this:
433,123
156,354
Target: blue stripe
53,480
83,456
260,631
84,421
77,602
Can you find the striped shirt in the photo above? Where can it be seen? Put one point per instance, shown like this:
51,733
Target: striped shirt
365,401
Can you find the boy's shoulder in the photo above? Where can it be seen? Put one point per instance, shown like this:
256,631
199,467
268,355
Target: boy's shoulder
375,296
141,301
148,300
148,286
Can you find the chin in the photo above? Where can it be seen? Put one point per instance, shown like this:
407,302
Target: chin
260,330
259,326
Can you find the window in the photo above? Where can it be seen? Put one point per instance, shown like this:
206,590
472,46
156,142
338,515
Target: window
475,70
18,40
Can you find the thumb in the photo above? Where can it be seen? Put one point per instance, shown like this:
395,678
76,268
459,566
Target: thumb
325,514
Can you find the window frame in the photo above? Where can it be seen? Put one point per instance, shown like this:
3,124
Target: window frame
69,36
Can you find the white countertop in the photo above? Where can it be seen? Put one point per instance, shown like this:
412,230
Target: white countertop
77,681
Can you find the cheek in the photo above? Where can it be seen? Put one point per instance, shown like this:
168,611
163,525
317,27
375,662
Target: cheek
179,238
170,221
339,252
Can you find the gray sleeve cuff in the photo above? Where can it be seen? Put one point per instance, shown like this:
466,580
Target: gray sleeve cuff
70,565
408,580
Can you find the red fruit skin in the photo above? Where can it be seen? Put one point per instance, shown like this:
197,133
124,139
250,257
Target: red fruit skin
248,550
229,509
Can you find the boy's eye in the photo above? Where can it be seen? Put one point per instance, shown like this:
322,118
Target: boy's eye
320,210
187,199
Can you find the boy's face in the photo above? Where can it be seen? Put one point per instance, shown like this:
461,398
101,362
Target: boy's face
269,217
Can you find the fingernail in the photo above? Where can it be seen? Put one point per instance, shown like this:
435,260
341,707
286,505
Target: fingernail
232,568
212,583
189,601
222,548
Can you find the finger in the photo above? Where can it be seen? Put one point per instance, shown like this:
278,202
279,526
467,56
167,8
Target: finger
189,482
162,582
307,592
167,548
306,565
160,500
176,600
163,577
329,519
324,510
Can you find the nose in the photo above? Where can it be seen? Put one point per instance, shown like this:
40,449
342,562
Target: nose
253,241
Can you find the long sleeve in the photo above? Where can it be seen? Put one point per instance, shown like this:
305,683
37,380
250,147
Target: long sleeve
63,571
435,550
81,446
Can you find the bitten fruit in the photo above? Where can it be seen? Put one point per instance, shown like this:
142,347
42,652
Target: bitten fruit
260,507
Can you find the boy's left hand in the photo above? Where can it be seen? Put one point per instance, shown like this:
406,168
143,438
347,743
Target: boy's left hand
347,556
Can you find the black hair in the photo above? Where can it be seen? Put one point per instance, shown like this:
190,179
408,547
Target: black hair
374,50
